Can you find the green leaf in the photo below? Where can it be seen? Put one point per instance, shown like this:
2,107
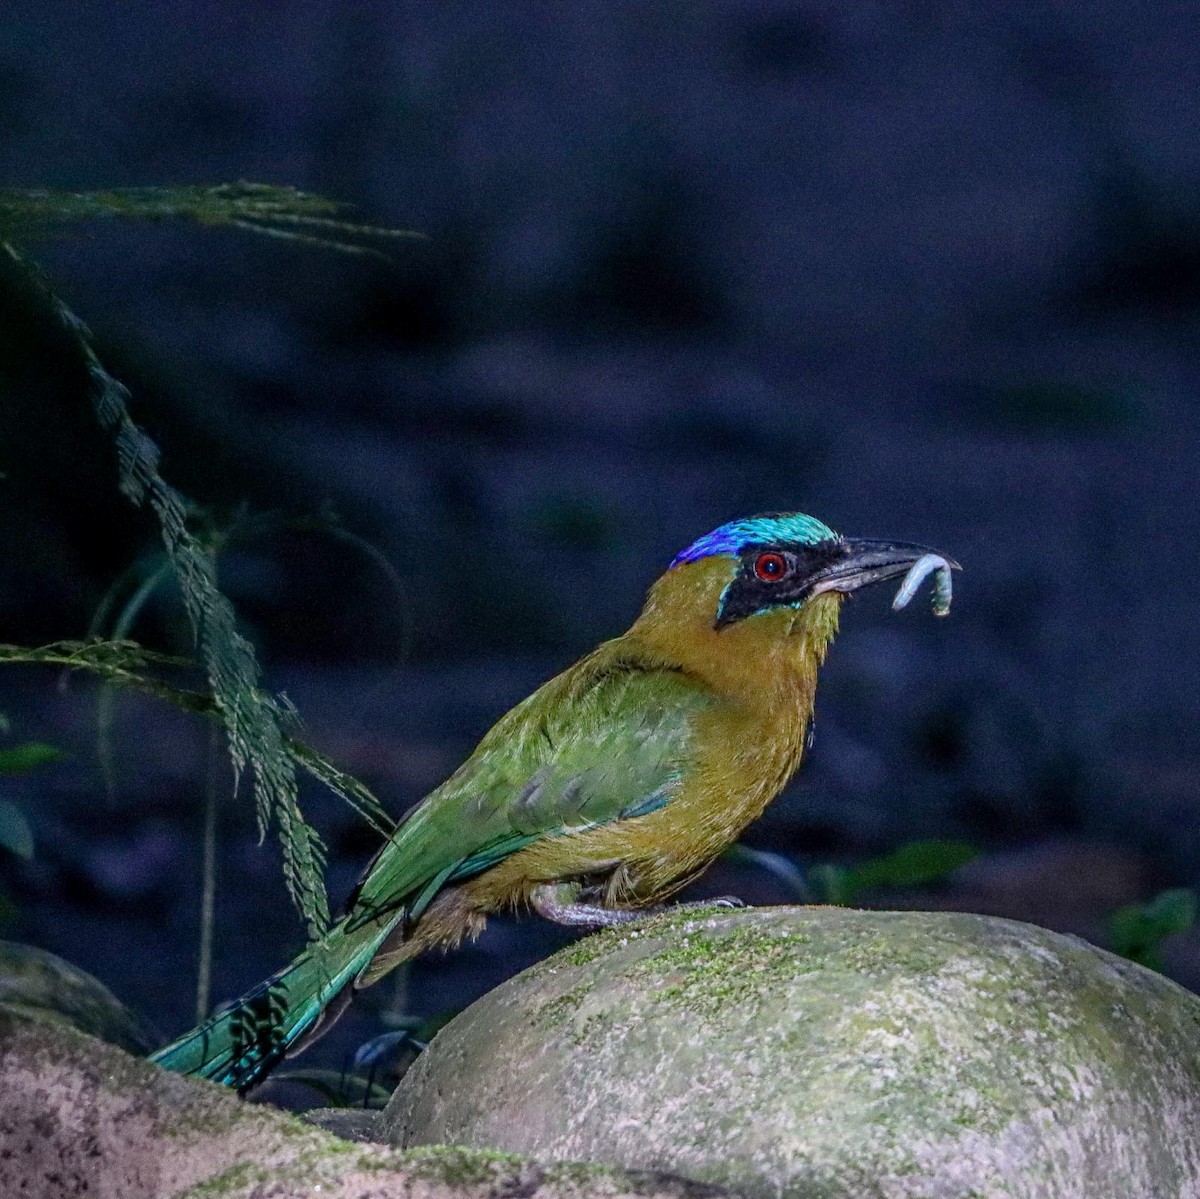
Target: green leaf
1137,930
1173,911
830,884
18,759
15,834
261,208
912,865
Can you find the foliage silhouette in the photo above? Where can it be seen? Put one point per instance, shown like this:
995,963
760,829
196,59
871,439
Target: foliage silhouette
1137,931
256,723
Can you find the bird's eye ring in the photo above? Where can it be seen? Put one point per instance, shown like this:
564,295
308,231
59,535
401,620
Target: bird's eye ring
770,567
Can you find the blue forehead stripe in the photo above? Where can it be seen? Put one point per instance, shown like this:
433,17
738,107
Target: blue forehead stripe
771,529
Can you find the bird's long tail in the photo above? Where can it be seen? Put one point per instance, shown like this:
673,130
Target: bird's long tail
243,1042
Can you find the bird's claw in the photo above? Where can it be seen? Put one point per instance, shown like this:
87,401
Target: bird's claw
720,901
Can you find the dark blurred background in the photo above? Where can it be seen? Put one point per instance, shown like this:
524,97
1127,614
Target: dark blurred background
925,270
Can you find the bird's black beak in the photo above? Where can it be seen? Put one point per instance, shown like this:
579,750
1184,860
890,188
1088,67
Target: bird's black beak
840,565
854,562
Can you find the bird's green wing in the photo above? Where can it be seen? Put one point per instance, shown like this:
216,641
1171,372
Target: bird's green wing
602,742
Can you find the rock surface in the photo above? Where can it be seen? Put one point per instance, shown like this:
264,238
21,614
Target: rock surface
40,983
349,1123
828,1052
83,1118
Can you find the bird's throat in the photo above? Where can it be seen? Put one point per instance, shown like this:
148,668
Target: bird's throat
757,662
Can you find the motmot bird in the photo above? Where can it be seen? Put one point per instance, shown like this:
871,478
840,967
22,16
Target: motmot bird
605,791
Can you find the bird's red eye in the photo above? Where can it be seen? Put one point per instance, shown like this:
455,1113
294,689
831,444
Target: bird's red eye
770,567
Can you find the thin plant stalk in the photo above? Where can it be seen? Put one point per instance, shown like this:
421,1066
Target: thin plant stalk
208,892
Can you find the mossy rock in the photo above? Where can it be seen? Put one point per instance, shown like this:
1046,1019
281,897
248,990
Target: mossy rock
82,1118
35,982
825,1052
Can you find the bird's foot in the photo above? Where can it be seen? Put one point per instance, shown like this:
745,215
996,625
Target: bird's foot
557,902
719,901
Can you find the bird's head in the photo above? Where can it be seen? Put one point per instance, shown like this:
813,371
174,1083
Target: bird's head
770,582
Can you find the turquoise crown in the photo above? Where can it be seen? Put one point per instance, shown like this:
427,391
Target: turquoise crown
771,528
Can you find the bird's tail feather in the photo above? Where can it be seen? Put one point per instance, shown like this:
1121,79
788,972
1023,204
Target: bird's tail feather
243,1042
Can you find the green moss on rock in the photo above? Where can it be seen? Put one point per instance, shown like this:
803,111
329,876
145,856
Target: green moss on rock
830,1053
